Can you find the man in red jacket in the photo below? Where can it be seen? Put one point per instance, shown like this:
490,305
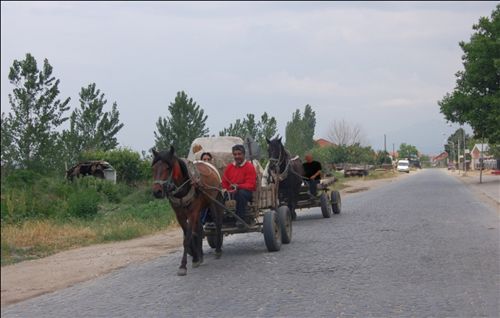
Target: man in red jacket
240,180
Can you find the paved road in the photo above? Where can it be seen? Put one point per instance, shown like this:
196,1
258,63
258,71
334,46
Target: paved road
419,247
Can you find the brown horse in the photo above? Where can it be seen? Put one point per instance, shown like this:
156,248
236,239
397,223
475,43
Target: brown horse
189,188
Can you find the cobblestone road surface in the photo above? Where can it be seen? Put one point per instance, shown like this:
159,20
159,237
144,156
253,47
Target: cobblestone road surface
419,247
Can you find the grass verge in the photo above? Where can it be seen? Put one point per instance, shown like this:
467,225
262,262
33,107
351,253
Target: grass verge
38,238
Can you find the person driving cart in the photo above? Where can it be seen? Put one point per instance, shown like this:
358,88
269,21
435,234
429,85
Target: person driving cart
312,172
239,179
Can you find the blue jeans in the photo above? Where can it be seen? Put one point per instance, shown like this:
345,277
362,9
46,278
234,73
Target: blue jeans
242,197
313,186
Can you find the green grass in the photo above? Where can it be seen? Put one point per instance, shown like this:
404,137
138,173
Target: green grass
43,216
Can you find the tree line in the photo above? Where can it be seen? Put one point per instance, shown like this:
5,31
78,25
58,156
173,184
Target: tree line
31,136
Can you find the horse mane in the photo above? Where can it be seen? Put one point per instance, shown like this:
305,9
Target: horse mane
165,156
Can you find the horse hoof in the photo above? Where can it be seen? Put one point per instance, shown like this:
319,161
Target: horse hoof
182,272
196,264
218,255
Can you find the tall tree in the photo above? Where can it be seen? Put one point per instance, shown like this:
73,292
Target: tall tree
456,142
407,151
36,113
476,97
185,124
309,120
91,128
7,159
300,131
266,127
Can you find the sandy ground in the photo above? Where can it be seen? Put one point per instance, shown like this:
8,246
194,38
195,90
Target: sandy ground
36,277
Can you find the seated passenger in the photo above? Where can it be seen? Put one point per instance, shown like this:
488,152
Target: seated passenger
205,213
240,180
206,156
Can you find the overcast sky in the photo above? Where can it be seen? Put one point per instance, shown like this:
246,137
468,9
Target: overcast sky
380,65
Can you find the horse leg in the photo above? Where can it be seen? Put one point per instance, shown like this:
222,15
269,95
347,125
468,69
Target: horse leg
182,271
218,215
292,200
196,240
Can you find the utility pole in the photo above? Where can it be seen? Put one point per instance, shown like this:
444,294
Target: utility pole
385,145
465,161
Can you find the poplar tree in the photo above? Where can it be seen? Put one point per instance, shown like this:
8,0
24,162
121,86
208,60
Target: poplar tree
185,123
36,113
91,128
299,132
266,127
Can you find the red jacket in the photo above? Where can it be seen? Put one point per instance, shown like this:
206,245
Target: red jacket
245,176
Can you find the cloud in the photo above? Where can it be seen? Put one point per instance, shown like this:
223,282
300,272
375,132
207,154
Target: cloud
285,83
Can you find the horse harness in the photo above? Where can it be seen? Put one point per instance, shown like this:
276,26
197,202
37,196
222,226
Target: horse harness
193,178
284,174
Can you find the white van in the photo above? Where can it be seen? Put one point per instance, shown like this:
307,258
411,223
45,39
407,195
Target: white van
404,166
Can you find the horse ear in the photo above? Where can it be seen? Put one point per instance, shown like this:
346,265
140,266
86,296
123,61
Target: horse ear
268,141
172,150
279,139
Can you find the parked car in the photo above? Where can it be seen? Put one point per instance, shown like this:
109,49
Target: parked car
403,166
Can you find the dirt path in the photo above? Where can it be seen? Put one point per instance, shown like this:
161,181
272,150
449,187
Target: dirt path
36,277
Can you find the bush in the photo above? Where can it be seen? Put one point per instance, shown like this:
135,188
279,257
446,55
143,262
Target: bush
83,204
21,178
129,166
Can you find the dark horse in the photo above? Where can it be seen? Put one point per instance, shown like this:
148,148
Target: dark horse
189,188
288,173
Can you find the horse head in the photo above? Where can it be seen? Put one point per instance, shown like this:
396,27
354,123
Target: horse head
276,152
166,172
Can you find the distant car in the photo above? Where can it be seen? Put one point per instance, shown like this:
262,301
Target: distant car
403,166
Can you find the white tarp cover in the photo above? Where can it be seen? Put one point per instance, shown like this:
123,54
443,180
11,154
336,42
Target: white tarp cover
219,147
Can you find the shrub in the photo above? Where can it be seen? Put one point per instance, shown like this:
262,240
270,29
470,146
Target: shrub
128,164
83,204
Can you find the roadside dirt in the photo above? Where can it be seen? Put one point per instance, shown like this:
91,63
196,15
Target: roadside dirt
36,277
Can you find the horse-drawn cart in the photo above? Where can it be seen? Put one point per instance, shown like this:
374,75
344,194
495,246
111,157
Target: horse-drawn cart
329,201
268,217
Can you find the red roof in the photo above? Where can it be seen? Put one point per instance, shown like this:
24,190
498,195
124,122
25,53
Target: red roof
324,143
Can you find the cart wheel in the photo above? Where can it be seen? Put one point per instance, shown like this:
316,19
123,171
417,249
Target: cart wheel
325,206
212,240
272,231
285,224
336,202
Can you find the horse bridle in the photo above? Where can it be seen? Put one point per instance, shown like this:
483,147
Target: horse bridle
279,161
168,186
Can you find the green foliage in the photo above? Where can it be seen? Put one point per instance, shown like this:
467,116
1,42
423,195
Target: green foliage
456,141
248,127
300,131
84,203
90,127
324,156
129,166
407,151
185,124
31,136
476,97
383,158
355,153
28,195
